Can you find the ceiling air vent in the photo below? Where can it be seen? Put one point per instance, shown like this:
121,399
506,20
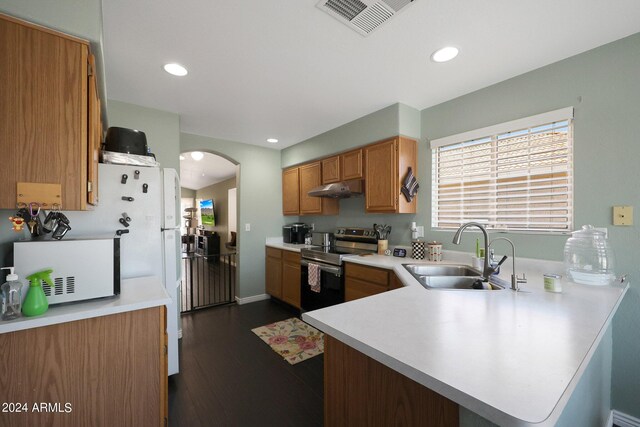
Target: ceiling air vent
363,16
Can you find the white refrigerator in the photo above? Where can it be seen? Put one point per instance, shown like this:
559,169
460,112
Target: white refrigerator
150,197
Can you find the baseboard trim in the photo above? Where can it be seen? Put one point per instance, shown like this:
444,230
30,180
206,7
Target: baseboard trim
253,298
623,420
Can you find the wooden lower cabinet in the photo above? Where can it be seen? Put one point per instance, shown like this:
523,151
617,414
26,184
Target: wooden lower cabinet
105,371
359,391
291,278
282,275
273,272
363,281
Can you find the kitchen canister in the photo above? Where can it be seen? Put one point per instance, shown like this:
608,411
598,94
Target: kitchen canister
435,251
417,249
383,245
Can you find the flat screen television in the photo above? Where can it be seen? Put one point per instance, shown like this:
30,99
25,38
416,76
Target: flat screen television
207,215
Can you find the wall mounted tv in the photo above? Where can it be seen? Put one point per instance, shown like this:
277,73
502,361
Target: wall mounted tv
207,215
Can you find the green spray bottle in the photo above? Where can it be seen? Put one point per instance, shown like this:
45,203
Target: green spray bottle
36,302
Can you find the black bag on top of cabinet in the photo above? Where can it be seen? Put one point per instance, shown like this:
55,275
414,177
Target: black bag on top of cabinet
123,140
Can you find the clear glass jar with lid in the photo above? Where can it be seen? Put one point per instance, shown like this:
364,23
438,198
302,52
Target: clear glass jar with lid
588,258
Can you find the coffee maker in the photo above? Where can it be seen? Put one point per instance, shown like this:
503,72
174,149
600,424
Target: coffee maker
295,233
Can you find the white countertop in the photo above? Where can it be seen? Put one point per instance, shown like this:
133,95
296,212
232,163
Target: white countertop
512,357
135,294
276,242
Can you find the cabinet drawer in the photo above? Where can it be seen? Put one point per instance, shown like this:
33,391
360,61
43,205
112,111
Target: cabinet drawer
368,274
291,257
274,253
355,289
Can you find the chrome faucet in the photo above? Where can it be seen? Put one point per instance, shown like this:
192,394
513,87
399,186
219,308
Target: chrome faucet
515,280
487,270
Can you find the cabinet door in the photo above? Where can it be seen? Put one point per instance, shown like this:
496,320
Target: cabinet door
356,288
331,170
394,282
291,279
290,192
43,105
164,367
95,135
381,185
310,177
273,272
352,165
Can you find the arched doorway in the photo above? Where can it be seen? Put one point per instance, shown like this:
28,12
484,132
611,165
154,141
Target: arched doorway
209,229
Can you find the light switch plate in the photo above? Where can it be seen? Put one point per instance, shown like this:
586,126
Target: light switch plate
247,227
623,215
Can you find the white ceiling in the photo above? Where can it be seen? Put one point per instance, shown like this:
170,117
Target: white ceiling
202,173
286,69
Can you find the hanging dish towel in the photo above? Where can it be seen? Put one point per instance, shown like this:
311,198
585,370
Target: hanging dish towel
409,186
314,277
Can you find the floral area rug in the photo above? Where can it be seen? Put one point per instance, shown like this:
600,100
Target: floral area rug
292,339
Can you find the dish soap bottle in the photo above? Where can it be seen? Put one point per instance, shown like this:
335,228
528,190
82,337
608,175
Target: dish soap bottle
11,296
36,302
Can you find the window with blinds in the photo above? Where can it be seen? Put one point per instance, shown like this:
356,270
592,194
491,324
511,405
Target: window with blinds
516,178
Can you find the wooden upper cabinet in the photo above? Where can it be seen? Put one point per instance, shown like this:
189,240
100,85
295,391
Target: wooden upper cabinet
311,177
296,183
290,192
45,94
386,165
331,170
95,134
352,165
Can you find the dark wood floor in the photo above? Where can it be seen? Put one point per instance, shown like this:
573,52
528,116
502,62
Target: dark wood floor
230,377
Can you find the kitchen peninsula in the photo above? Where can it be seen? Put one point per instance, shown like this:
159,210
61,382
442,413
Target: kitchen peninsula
514,358
98,362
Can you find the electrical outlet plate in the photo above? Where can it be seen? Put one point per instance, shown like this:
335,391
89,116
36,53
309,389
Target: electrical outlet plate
623,215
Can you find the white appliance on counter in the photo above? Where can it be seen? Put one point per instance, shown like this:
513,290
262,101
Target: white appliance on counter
150,198
82,268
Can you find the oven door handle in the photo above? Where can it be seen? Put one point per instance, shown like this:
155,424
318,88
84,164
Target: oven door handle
336,271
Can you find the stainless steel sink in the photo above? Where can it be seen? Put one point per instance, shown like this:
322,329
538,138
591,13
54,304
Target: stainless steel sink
449,277
441,270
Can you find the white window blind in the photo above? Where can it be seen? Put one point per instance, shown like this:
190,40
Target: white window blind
517,180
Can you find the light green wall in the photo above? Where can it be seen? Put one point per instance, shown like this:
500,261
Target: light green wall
259,202
385,123
162,129
397,119
80,18
602,85
219,192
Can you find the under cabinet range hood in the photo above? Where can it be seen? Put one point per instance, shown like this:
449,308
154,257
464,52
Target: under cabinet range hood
338,190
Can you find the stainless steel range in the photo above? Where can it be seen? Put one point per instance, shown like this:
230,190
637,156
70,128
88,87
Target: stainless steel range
329,259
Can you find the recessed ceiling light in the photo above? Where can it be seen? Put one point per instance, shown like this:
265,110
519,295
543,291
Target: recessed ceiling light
272,140
445,54
182,157
197,155
175,69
